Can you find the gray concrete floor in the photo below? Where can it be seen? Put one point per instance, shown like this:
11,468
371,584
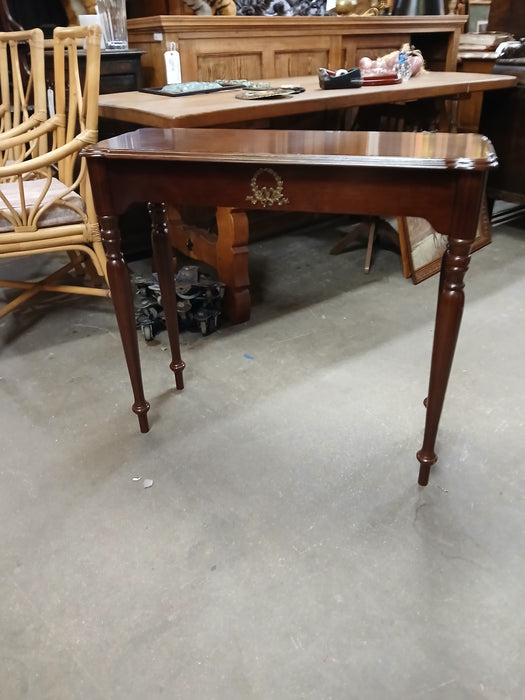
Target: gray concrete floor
284,550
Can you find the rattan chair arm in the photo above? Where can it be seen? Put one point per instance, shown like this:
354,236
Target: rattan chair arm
10,139
50,158
32,122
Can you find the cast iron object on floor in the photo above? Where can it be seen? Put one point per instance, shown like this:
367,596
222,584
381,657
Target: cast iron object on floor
199,299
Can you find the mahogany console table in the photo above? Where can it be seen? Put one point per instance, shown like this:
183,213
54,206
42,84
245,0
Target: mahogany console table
437,176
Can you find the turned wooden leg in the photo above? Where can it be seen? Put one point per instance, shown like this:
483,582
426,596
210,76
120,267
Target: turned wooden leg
448,316
122,297
162,256
232,262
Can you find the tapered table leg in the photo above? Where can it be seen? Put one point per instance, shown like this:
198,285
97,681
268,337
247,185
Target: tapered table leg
162,256
451,299
122,296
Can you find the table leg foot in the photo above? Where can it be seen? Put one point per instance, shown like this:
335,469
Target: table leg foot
425,463
177,368
142,414
237,305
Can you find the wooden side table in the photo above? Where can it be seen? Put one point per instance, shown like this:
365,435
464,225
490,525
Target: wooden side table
437,176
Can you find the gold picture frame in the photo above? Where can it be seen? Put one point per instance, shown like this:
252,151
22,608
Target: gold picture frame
425,247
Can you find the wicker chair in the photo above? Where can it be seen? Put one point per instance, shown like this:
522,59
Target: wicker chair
45,197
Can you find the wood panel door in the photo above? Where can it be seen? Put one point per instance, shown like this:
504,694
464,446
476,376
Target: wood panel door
254,58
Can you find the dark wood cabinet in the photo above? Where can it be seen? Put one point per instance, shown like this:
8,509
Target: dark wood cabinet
502,120
507,16
503,116
120,71
35,13
145,8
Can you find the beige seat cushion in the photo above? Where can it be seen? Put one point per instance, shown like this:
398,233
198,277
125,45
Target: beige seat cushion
58,214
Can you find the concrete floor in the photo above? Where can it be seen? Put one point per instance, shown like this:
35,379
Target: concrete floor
284,550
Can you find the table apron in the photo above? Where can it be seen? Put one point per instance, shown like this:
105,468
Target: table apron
383,191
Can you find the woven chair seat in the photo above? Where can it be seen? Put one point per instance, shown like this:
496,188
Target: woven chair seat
59,213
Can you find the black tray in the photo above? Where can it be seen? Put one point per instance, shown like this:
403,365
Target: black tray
194,91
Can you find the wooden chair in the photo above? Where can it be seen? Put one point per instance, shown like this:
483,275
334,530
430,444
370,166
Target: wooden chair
45,198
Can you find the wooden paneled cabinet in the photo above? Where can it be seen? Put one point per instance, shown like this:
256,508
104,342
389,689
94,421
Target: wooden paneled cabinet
279,47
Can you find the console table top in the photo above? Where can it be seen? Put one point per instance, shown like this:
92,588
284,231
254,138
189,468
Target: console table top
303,147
